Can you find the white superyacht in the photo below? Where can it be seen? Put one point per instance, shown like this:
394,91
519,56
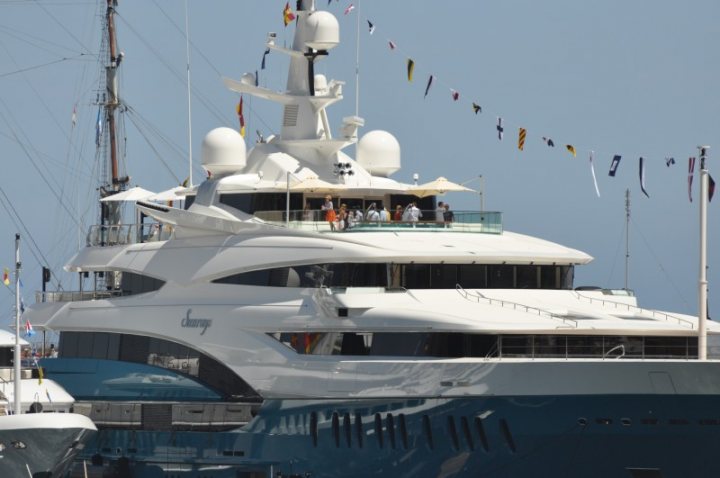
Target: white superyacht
251,335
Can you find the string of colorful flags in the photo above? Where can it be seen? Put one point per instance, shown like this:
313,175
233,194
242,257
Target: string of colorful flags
289,16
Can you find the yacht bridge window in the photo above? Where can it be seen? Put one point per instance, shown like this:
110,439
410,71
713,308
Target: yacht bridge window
409,276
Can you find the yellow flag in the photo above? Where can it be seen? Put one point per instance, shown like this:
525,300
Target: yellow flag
410,68
571,148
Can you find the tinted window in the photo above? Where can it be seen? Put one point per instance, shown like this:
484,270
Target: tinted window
156,352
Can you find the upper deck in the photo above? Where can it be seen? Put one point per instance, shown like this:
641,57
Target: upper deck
488,222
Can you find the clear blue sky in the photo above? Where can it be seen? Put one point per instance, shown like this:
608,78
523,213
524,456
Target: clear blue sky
633,78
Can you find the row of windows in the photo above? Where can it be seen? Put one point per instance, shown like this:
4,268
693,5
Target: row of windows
410,276
454,345
157,352
391,431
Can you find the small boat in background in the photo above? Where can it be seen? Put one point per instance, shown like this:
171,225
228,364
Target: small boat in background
39,433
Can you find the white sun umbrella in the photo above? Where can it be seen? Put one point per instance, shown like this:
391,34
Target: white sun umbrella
131,195
316,185
439,186
173,194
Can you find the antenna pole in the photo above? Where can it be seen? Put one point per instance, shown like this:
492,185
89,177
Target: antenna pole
17,358
187,51
627,238
357,62
703,283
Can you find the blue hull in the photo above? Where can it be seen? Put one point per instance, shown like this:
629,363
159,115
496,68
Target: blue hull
570,436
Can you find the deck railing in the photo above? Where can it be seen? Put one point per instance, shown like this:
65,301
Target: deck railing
74,296
634,308
478,297
124,234
489,222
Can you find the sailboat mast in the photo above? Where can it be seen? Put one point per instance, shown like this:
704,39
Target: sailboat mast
703,283
113,182
111,103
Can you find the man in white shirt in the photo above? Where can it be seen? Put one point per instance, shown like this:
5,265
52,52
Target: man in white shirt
414,213
384,214
372,213
440,212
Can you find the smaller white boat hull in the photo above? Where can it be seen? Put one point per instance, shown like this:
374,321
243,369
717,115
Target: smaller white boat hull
42,444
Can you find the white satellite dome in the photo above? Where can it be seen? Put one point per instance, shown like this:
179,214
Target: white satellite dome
321,84
322,31
379,153
223,152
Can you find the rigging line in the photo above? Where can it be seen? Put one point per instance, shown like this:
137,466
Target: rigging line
662,268
49,159
177,27
17,220
18,35
34,164
62,25
218,113
617,253
212,109
35,67
150,145
182,154
38,96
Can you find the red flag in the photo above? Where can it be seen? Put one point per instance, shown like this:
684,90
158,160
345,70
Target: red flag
288,14
455,95
711,188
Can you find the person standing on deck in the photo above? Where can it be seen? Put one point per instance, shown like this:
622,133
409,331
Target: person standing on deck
329,211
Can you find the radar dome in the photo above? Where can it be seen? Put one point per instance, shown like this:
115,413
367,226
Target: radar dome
321,84
223,152
379,153
322,31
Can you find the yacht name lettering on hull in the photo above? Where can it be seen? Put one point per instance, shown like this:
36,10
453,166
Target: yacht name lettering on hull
191,323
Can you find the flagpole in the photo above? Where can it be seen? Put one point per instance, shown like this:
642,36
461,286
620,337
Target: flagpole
16,364
189,105
702,293
627,238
